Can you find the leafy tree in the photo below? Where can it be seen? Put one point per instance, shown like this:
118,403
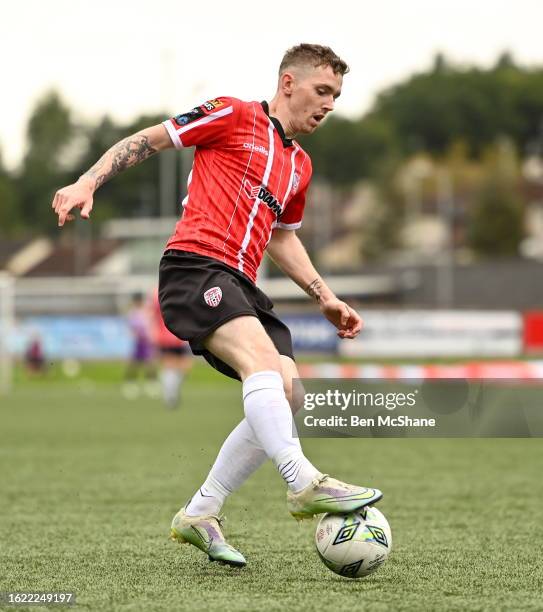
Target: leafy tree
497,220
10,210
50,132
382,230
345,151
430,110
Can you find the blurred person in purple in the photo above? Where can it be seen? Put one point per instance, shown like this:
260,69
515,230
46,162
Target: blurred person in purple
34,355
142,355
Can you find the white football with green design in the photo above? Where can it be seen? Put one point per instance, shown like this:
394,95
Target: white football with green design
355,544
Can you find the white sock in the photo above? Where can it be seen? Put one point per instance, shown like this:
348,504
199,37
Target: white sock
170,380
239,457
268,413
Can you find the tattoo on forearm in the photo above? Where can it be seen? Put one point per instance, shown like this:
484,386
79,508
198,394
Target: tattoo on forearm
314,289
126,153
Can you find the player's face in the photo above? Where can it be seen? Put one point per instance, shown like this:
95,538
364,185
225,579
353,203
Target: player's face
313,96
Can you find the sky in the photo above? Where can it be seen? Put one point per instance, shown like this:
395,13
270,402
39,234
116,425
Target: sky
126,57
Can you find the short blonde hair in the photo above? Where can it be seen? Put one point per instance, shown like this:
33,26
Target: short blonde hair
312,55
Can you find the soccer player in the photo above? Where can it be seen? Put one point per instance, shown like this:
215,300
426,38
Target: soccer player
34,355
142,354
175,357
246,193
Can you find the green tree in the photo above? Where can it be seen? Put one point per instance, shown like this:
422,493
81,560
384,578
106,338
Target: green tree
431,110
497,221
345,151
48,162
496,224
381,233
10,210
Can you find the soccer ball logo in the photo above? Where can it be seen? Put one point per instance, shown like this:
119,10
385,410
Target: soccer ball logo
213,296
351,570
378,535
346,532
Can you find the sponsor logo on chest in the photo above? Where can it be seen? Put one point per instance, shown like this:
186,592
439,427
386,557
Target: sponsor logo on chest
264,195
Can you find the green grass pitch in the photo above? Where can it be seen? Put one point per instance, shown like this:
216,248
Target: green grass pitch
90,481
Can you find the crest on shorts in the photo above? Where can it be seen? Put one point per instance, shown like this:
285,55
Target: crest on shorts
213,296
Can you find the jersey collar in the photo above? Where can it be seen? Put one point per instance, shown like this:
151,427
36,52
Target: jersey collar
287,142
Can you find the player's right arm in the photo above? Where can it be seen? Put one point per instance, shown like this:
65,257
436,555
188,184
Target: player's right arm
126,153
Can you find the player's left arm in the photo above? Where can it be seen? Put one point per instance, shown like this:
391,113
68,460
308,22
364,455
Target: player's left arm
126,153
287,251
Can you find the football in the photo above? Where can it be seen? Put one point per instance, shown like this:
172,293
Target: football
356,544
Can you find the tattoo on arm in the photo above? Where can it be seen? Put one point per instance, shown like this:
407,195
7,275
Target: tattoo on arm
124,154
314,289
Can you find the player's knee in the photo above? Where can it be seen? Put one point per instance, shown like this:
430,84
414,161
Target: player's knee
268,359
294,390
291,382
261,356
287,385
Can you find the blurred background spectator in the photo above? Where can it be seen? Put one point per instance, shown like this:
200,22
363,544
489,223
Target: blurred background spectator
34,355
140,371
174,357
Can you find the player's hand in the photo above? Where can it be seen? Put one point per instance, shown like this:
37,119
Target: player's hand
78,195
346,319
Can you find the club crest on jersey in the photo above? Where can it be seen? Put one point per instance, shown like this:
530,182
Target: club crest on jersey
264,195
213,296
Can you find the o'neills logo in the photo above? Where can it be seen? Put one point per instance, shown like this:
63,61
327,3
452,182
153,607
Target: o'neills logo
264,195
257,148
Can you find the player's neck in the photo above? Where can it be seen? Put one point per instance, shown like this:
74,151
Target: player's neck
280,111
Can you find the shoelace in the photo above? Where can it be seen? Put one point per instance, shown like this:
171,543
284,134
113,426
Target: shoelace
318,481
221,519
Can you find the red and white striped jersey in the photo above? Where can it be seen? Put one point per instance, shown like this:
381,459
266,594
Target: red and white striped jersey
247,179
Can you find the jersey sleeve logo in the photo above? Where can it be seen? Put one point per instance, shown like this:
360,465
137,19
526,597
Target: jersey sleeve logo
197,112
192,115
212,105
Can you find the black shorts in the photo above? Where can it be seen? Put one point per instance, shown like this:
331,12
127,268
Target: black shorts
198,294
178,351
